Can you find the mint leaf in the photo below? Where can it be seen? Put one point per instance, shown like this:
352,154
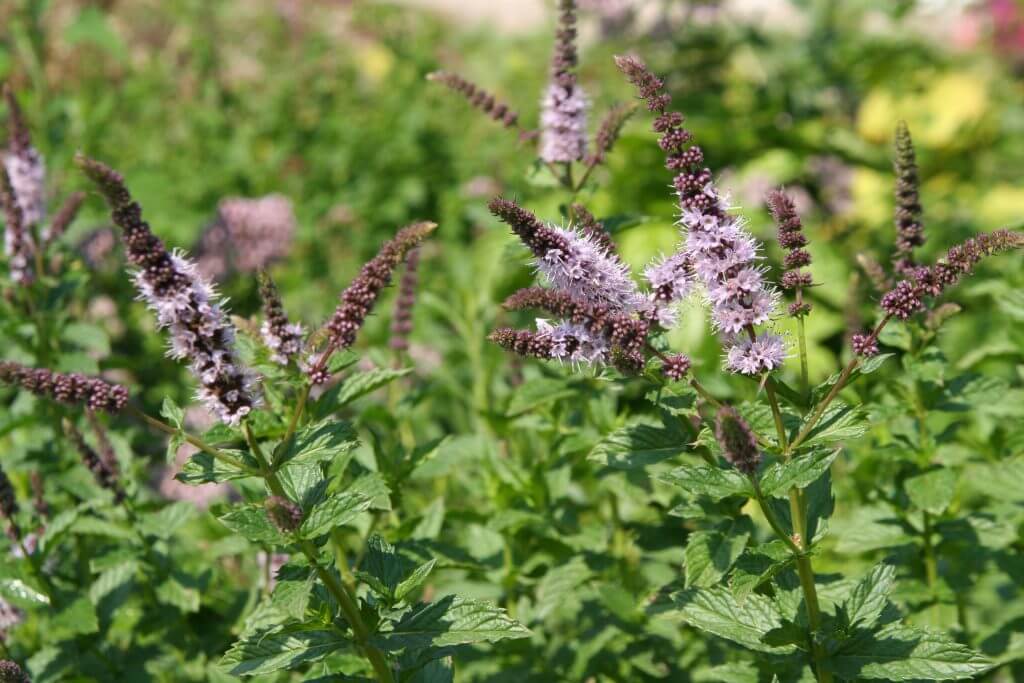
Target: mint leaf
389,574
320,441
800,472
450,621
840,422
869,597
538,392
710,554
203,468
716,611
903,653
264,652
637,445
251,521
714,482
337,510
932,491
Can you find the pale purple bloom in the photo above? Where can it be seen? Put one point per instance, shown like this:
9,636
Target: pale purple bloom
755,356
584,269
574,343
563,122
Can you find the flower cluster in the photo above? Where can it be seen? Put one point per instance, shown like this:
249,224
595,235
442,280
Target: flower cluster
717,248
10,672
248,234
909,228
478,97
283,338
563,116
540,344
675,367
105,475
24,166
359,298
283,513
739,446
401,318
793,240
71,389
907,297
184,303
18,245
864,344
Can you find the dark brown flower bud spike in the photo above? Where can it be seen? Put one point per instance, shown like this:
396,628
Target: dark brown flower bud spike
105,476
9,506
909,226
477,97
401,318
69,389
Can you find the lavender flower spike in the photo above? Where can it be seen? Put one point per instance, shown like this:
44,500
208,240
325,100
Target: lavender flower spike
477,97
564,106
184,303
70,389
793,240
575,263
18,245
105,476
284,339
359,298
721,252
24,165
401,319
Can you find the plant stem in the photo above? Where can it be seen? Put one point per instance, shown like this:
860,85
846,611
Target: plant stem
350,608
931,566
162,426
805,385
293,423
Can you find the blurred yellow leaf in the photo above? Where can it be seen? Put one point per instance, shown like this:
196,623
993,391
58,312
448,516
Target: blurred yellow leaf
374,60
1000,206
872,196
952,102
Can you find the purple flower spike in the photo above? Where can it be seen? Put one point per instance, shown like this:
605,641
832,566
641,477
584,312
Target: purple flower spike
563,117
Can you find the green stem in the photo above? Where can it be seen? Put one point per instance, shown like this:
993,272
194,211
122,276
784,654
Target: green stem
805,385
293,423
350,608
931,566
162,426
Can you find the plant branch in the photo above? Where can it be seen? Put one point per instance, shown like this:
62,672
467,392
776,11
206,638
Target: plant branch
162,426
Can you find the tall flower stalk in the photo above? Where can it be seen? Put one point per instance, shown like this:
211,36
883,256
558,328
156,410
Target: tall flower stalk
185,304
563,119
909,224
792,240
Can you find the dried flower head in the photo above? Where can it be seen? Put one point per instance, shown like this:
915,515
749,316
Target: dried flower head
401,318
477,97
24,165
184,302
284,339
9,505
103,445
70,389
720,252
909,228
359,298
12,673
285,515
105,476
734,436
18,245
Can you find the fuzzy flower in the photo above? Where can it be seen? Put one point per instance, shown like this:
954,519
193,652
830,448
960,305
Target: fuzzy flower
18,245
907,297
590,227
864,344
909,228
401,318
721,253
64,217
571,261
676,367
671,280
739,446
285,515
12,673
101,471
563,118
70,389
525,342
9,505
184,303
477,97
24,165
284,339
359,298
608,131
249,234
764,353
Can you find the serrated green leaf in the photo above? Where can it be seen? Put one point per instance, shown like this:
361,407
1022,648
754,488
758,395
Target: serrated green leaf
1002,480
179,591
264,652
840,422
165,521
932,491
637,445
357,385
75,619
758,565
203,468
714,482
560,583
710,554
450,621
716,611
902,653
172,412
292,590
868,598
337,510
538,392
21,594
320,441
799,472
251,521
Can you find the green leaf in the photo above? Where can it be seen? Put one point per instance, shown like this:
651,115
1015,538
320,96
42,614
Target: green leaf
292,590
21,594
337,510
356,386
164,522
703,480
710,554
203,468
840,422
902,653
88,337
450,621
172,412
869,597
800,472
637,445
320,441
716,611
560,583
76,619
179,591
264,652
932,491
538,392
251,521
390,574
758,565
